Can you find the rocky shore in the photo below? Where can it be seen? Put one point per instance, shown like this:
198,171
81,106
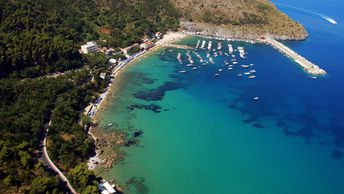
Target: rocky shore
108,143
237,32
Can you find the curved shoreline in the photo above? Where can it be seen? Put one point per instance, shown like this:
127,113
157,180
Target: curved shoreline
101,107
169,39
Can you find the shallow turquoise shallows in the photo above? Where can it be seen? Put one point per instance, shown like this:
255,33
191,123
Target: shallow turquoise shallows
207,134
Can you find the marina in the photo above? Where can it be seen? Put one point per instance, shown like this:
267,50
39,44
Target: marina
229,60
247,109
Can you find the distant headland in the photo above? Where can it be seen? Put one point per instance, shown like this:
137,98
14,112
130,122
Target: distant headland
239,19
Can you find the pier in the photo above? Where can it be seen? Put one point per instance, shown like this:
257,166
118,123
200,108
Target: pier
308,66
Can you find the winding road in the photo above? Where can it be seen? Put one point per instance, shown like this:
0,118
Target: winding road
48,162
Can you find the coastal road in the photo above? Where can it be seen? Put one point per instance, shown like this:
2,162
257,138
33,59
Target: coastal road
48,162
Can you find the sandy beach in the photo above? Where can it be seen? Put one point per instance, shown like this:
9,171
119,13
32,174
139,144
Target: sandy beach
168,39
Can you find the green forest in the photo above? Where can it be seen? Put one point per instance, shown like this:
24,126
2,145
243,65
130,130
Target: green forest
40,37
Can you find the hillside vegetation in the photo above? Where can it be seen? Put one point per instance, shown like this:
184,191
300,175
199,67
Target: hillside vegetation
238,18
39,37
43,36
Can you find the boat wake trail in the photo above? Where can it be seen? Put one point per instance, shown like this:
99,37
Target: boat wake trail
329,19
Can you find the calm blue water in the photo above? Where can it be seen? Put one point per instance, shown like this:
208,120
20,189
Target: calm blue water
206,134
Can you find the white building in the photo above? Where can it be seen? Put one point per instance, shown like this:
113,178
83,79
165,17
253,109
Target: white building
106,188
89,47
112,61
102,75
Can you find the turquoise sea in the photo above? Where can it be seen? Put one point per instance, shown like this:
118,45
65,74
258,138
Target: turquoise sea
206,134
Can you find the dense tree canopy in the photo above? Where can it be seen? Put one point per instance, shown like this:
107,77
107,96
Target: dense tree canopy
25,107
43,36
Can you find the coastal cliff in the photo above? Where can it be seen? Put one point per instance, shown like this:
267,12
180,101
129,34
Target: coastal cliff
238,19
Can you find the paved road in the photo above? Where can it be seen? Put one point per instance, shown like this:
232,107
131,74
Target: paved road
48,162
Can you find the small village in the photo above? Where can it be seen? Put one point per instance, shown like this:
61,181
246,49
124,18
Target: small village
117,59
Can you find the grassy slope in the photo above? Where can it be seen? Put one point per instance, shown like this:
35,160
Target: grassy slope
240,18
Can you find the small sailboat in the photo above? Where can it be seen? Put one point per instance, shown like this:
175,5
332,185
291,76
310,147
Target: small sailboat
230,48
219,46
210,44
203,44
179,57
197,45
211,60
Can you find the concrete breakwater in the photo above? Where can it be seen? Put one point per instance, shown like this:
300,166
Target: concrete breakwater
308,66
